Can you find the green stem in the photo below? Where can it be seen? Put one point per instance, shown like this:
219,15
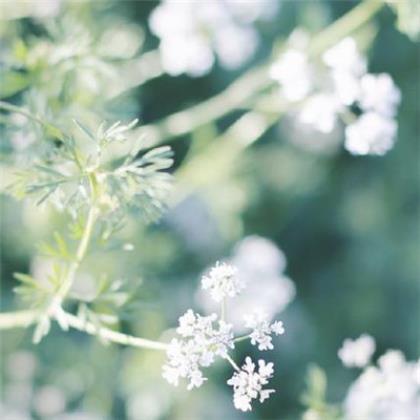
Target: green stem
80,254
345,25
186,121
19,110
241,338
223,310
52,130
23,319
232,362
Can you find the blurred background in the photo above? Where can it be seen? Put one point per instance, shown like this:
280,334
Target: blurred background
333,237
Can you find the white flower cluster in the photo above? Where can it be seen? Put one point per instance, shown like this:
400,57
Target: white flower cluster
261,270
204,338
357,353
200,343
222,282
191,36
262,330
345,86
248,384
388,391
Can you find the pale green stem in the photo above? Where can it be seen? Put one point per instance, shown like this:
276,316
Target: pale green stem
19,110
49,128
80,254
23,319
344,26
233,97
241,338
232,362
223,310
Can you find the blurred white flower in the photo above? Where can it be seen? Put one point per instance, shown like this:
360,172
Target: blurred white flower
320,112
379,94
345,57
293,73
222,282
191,36
198,346
21,365
387,392
248,384
262,330
357,353
371,134
49,400
233,44
250,11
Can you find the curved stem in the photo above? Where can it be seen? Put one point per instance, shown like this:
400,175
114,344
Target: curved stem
23,319
186,121
80,254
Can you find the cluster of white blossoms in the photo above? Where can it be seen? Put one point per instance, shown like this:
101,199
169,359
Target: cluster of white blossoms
201,339
261,273
357,353
199,345
262,330
248,383
344,90
222,282
388,391
191,37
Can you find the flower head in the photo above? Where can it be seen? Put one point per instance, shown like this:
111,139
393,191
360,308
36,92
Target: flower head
379,94
222,282
388,391
293,73
200,342
262,330
248,384
371,134
357,353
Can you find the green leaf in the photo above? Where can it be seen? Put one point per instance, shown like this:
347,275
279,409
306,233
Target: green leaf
84,129
26,279
12,82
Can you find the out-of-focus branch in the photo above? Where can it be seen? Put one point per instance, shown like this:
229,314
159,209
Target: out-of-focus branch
252,82
23,319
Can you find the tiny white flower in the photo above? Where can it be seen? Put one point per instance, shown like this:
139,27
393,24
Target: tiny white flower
248,384
293,73
320,112
371,134
262,330
222,281
345,57
379,94
357,353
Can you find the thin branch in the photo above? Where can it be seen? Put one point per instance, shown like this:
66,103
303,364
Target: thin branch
23,319
241,338
232,362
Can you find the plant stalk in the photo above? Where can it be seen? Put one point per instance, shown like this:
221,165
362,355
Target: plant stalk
23,319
